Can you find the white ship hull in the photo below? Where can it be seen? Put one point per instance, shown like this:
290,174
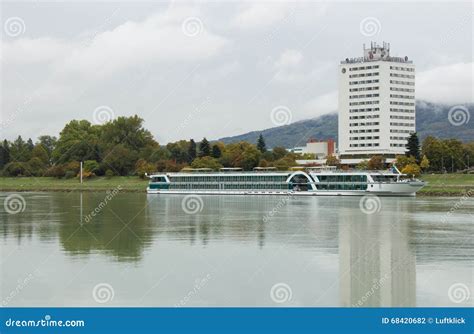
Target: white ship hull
379,189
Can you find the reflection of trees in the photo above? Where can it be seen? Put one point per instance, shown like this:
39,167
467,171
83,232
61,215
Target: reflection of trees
377,265
106,232
33,221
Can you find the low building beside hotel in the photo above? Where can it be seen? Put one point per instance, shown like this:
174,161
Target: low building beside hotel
320,149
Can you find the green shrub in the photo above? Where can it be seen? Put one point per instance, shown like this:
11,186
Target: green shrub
36,166
55,171
69,174
109,173
91,166
16,169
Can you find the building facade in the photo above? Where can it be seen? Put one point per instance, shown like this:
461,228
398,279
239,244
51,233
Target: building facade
319,148
376,105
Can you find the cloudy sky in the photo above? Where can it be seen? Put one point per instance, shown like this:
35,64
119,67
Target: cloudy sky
214,69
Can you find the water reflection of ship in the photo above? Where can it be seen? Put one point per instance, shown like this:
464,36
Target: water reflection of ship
377,265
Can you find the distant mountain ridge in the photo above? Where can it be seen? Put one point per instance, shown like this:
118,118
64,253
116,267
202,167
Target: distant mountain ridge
431,119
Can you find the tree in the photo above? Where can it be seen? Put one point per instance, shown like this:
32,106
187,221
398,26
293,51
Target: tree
376,163
413,147
143,167
16,168
36,166
261,146
178,151
411,169
19,150
285,163
204,148
206,162
40,152
91,166
192,151
78,141
363,165
121,160
403,160
425,163
29,144
4,153
279,152
331,160
127,131
216,151
242,154
49,143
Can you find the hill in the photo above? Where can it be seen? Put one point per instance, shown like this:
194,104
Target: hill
431,119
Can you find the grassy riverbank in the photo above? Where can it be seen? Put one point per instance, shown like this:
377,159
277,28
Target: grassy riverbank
438,185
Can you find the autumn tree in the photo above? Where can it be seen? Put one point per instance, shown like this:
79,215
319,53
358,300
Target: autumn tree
376,163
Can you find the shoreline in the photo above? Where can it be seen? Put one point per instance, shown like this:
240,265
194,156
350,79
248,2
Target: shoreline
439,185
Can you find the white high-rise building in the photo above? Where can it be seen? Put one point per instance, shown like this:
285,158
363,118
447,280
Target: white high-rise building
376,105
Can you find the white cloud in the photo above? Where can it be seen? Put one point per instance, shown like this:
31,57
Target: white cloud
288,67
160,38
289,58
262,14
322,104
446,84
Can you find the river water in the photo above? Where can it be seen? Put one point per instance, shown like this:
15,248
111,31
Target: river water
133,249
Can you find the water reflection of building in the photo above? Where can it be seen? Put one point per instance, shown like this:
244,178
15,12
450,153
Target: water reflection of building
377,266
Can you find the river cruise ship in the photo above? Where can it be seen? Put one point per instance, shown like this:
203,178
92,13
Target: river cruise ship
265,181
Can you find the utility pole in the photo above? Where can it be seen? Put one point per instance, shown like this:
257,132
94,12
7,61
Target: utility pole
81,172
